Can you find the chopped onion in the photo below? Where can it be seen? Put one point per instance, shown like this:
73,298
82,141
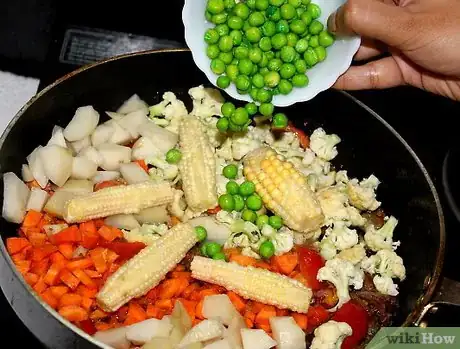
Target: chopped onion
79,146
132,121
161,137
220,344
82,124
36,167
113,115
133,173
119,135
151,215
205,330
216,232
78,186
57,137
132,104
51,229
15,196
144,148
83,168
142,332
287,333
92,154
256,339
57,162
101,134
102,176
37,199
113,155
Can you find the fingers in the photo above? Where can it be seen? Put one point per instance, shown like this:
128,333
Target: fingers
374,19
383,73
369,49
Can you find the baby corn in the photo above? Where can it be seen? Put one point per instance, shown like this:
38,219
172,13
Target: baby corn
197,166
125,199
283,189
145,270
254,283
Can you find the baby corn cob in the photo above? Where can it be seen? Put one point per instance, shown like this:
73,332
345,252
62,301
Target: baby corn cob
254,283
145,270
197,166
283,189
125,199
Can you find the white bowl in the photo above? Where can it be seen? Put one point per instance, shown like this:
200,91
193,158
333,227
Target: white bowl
322,76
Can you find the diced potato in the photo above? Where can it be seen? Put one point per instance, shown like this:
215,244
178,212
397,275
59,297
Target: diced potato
220,344
37,199
132,121
51,229
57,137
113,115
205,330
81,145
158,343
151,215
92,154
57,162
233,333
36,167
26,174
144,148
79,186
287,333
122,221
116,338
83,168
119,135
132,104
219,307
101,134
113,155
56,203
161,137
82,124
15,196
142,332
216,232
102,176
256,339
133,173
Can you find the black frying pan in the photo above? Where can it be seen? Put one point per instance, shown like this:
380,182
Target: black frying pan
370,146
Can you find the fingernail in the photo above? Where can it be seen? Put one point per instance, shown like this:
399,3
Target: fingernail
332,23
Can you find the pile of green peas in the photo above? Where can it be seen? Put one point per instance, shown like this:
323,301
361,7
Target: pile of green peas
208,249
265,47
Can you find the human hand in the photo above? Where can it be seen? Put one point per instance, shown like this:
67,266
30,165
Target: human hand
422,37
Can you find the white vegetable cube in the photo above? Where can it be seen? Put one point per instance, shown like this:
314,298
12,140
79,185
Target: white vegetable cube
51,229
26,174
144,148
142,332
92,154
287,333
132,104
57,137
102,176
15,196
79,146
115,338
161,138
151,215
219,307
256,339
101,134
204,331
57,163
220,344
133,173
36,167
113,115
78,186
132,121
123,221
83,123
119,135
37,199
83,168
113,155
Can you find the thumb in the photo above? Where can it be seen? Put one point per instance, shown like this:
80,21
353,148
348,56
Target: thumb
374,19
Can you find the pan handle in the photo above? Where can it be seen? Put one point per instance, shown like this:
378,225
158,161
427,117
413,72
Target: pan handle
444,310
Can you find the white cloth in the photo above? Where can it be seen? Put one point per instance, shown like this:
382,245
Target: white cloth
15,91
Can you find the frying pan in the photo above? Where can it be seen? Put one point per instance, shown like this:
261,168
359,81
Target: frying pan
369,146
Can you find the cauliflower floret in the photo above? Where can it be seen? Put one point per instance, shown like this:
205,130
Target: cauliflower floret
326,180
170,171
207,102
261,133
342,274
225,150
355,217
308,157
242,145
362,194
324,145
333,203
268,231
385,263
285,142
229,218
172,109
283,241
381,239
385,285
330,335
178,205
327,249
341,176
147,233
341,236
239,239
353,254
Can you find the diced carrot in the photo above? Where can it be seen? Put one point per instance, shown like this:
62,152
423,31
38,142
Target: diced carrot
49,298
20,256
37,254
52,275
31,278
69,279
243,260
73,313
304,140
142,164
172,288
67,250
174,221
282,312
15,245
181,275
231,251
199,310
46,220
57,257
179,267
237,301
189,290
214,210
122,313
102,326
23,266
263,265
135,314
265,314
249,318
286,263
257,306
98,223
190,306
84,278
109,233
208,292
98,314
89,239
301,319
265,327
40,286
152,295
87,326
107,184
93,274
85,291
37,239
41,267
31,219
88,227
165,304
87,303
58,291
111,256
70,299
154,312
111,269
82,263
68,235
98,255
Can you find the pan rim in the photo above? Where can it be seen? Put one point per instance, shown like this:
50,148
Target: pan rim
430,285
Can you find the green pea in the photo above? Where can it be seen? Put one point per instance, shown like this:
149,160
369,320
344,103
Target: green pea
280,120
241,52
253,34
222,29
258,81
300,66
306,18
306,2
300,10
262,5
232,72
275,64
275,221
272,79
279,41
251,4
267,249
285,87
212,248
223,81
241,10
211,36
282,26
264,96
217,66
249,216
226,202
203,250
239,202
265,44
315,27
256,19
219,256
301,46
314,10
173,156
275,14
237,37
241,92
243,83
261,221
255,69
247,188
254,93
251,108
276,2
264,61
288,11
245,66
287,70
213,51
254,202
310,57
288,54
222,125
215,6
232,127
239,117
300,80
246,26
255,55
201,233
321,53
269,28
292,39
325,39
229,4
235,22
221,18
227,109
232,187
298,26
266,109
264,71
226,57
276,91
314,41
208,16
295,3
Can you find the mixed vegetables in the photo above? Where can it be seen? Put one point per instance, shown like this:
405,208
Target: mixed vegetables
160,229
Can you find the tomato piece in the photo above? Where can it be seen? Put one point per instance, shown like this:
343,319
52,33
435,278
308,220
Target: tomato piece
316,315
310,262
88,327
304,140
125,250
356,316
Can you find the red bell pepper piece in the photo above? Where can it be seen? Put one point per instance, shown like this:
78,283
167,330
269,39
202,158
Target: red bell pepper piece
310,262
356,316
69,235
316,315
88,327
125,250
